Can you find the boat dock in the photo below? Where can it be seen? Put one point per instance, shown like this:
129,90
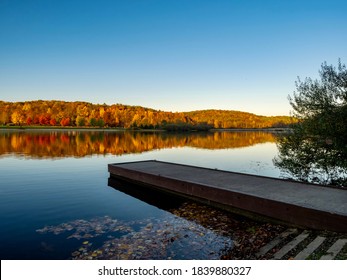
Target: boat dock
306,205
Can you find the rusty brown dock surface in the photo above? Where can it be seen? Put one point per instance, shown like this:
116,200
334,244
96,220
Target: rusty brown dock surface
307,205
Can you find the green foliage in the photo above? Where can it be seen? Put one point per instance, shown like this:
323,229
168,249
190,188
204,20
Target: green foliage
80,121
321,105
100,123
93,122
316,151
311,159
315,97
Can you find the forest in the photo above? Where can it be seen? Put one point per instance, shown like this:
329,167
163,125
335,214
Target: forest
84,114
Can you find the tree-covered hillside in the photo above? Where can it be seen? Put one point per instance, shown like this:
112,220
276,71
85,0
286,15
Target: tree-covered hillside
84,114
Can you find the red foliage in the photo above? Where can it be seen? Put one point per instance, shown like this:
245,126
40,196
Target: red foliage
65,122
44,119
36,120
29,121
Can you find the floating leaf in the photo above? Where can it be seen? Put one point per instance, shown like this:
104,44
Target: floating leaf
192,231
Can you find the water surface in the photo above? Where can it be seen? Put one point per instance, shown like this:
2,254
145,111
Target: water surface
56,201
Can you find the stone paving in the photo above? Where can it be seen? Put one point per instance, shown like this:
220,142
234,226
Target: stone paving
297,244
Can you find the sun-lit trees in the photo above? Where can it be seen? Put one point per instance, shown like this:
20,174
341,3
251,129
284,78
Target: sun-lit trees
61,113
65,122
17,117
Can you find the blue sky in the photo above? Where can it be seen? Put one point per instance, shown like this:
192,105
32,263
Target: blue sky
173,55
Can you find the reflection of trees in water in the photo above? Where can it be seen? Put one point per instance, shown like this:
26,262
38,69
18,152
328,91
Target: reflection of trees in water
312,159
78,143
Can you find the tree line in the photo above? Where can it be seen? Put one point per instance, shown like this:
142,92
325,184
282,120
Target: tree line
84,114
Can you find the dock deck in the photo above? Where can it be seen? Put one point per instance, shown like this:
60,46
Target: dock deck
306,205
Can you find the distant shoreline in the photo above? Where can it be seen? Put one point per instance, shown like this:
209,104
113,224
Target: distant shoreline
57,128
112,129
270,129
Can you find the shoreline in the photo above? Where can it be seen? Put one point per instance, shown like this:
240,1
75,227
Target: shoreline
51,128
112,129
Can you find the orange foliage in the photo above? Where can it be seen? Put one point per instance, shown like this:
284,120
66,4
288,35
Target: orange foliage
65,122
86,114
51,144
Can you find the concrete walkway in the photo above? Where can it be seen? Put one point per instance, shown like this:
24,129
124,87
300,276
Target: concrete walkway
307,205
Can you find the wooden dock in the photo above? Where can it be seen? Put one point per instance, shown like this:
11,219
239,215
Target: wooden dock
306,205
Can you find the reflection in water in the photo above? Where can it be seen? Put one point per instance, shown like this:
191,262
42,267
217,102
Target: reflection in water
56,144
209,233
311,159
153,238
164,237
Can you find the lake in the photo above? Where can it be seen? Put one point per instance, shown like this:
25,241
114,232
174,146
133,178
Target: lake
56,201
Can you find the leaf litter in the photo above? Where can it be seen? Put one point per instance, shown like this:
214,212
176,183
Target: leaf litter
192,231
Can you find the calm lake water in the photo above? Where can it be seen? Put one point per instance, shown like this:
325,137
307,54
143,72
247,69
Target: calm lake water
56,201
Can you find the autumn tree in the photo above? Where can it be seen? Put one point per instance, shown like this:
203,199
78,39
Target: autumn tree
4,115
65,122
17,117
53,122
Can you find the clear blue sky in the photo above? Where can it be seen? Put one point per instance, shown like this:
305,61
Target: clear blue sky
174,55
